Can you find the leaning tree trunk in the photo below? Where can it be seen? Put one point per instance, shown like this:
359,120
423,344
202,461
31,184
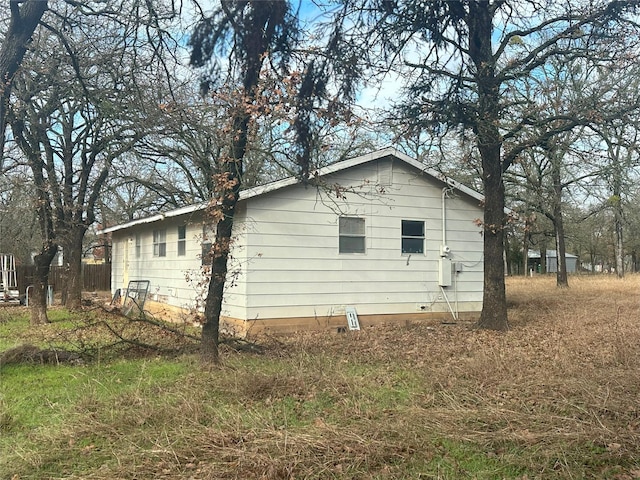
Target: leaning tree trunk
72,254
260,32
38,294
219,258
24,20
229,184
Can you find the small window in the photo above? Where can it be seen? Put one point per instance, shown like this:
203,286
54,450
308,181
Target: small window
351,231
159,243
182,240
138,245
412,236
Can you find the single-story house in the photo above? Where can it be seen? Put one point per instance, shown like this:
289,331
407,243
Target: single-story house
552,261
379,236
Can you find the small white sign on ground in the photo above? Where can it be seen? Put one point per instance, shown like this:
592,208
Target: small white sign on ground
352,318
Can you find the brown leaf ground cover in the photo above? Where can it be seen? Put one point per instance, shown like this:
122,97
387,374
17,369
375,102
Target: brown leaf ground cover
563,384
557,396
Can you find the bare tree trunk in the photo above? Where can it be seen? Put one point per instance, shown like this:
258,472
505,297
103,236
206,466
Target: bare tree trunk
24,20
257,37
38,296
229,185
72,251
562,280
494,306
215,294
525,249
619,243
507,255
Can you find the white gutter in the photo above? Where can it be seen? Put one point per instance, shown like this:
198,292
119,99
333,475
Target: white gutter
444,217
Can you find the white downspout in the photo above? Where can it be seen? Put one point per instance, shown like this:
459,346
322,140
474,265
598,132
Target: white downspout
454,311
444,216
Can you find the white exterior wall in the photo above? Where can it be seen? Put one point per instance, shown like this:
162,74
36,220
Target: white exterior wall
167,275
285,260
295,269
235,289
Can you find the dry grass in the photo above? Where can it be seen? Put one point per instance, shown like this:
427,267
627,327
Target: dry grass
566,376
555,397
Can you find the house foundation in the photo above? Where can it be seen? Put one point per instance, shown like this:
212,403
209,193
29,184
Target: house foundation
277,326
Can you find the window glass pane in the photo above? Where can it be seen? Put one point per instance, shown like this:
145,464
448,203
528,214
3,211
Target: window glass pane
351,235
182,242
159,243
412,228
412,236
412,245
351,244
351,226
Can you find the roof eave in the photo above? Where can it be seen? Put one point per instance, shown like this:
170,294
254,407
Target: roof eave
324,171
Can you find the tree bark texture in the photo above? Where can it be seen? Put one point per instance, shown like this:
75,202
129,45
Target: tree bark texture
494,307
618,220
72,255
619,245
46,223
255,36
543,257
562,280
525,248
38,294
25,17
229,184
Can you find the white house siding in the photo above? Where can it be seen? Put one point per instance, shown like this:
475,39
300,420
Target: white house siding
295,269
285,261
167,275
235,293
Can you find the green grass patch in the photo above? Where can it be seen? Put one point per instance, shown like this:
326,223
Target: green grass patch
14,326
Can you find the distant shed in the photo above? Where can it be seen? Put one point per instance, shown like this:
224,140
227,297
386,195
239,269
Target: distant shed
552,261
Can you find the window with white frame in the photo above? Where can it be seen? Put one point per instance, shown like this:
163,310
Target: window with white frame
182,240
160,243
138,245
352,236
412,236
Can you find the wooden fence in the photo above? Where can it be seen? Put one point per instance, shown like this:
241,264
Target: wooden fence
95,277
